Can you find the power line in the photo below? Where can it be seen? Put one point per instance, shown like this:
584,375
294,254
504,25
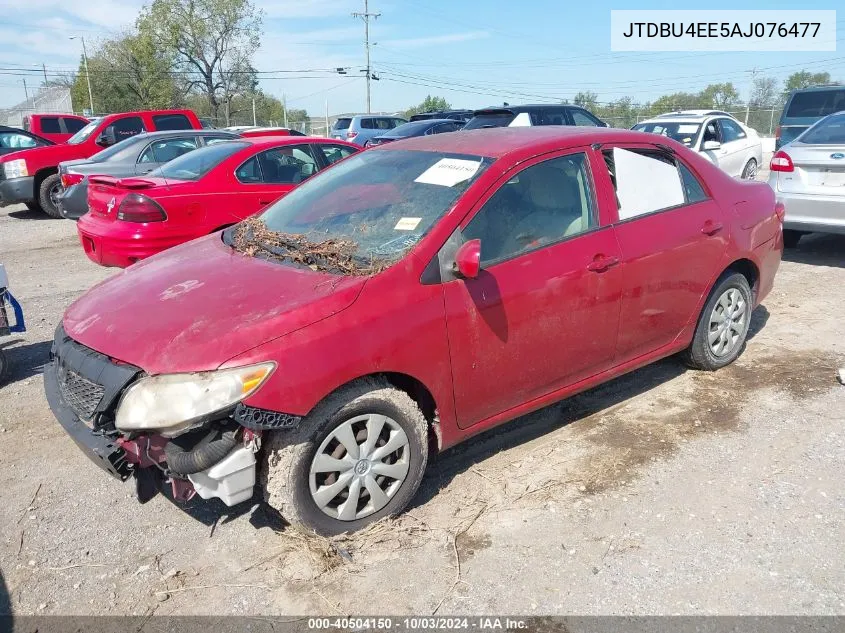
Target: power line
365,16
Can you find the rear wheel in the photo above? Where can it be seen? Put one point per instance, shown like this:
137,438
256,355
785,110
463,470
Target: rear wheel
48,195
722,327
750,170
791,238
360,456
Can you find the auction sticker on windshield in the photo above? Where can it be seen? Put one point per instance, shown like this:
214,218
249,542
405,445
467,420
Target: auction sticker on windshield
448,172
407,224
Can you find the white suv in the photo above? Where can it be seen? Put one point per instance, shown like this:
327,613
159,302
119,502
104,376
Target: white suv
717,135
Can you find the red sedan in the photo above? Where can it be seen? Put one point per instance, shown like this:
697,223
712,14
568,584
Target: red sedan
409,298
197,194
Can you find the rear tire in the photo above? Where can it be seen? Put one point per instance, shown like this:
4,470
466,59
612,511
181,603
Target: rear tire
722,328
749,172
47,192
4,367
791,238
297,473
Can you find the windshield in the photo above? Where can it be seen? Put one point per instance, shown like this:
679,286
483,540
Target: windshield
84,133
372,208
684,133
196,164
829,131
491,119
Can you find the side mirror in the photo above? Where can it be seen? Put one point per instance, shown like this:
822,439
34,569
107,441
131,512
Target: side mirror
107,137
710,145
468,259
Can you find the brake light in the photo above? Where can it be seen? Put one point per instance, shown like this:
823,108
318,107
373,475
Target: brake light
781,162
138,208
351,134
780,211
68,180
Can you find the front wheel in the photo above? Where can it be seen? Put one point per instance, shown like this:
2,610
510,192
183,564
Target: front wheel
358,457
722,328
48,195
750,170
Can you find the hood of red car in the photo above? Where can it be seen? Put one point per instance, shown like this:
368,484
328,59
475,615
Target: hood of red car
197,305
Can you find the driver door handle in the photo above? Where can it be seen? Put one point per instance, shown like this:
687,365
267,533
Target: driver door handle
601,263
711,228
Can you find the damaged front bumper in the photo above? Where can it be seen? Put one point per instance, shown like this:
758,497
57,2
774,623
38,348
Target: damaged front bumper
83,388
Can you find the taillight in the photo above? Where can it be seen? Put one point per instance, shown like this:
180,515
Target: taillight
351,134
68,180
780,211
781,162
138,208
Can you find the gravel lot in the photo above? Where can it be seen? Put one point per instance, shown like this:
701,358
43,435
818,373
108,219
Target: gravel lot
665,491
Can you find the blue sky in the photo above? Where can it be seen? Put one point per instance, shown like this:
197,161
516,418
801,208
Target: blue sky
473,53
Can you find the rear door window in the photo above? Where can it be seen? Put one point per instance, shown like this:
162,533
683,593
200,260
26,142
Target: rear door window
368,124
581,118
166,150
334,153
816,103
629,168
73,125
171,122
50,125
127,126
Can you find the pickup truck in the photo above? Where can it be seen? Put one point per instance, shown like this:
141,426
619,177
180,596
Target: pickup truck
31,176
54,127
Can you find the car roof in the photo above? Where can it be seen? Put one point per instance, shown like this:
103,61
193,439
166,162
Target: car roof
272,141
820,87
186,131
531,107
498,142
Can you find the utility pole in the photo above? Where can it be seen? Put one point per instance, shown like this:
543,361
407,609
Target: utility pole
753,72
87,74
285,108
366,15
327,120
26,92
253,111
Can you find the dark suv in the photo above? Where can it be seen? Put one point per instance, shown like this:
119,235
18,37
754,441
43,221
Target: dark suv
804,107
528,115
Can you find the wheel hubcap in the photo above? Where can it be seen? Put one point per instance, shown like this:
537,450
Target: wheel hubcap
55,190
727,323
751,171
359,467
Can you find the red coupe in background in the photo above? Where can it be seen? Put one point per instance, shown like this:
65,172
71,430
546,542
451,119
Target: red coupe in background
197,194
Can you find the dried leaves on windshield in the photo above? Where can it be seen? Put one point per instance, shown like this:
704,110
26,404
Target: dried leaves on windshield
252,237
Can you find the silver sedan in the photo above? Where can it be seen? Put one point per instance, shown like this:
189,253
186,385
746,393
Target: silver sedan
808,176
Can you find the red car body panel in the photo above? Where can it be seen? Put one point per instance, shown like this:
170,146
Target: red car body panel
193,208
488,349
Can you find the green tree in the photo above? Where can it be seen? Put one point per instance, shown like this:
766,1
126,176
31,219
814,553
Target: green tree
212,42
587,100
719,96
673,102
804,79
429,104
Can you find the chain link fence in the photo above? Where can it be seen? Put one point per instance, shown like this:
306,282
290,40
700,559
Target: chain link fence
764,120
44,101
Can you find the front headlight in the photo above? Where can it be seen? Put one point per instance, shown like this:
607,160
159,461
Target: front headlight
174,402
15,169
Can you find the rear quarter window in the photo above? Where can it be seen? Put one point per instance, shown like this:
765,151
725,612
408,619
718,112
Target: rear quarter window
342,124
171,122
50,125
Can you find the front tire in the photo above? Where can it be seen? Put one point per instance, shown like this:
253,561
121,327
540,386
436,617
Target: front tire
722,328
48,193
358,457
749,172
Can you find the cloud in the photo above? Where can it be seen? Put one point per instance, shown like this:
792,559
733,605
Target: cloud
423,42
112,14
293,9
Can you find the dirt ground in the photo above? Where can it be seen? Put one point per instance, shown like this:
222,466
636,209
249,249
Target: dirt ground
666,491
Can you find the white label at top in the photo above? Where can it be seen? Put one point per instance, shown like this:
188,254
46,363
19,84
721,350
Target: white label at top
448,172
723,30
